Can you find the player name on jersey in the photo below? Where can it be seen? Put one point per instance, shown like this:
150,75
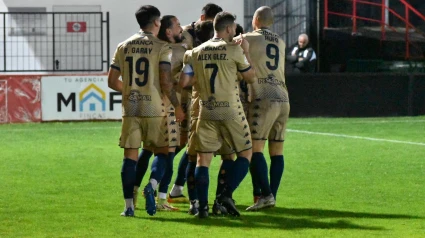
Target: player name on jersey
213,56
270,36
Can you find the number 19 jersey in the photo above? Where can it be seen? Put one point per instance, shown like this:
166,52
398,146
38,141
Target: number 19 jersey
138,59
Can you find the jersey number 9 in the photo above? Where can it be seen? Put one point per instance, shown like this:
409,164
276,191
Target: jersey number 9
272,52
139,70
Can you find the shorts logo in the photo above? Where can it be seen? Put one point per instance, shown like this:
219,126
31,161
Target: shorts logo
211,104
271,79
135,96
90,95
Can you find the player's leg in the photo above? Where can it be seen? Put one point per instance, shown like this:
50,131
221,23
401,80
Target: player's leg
207,140
156,136
261,118
260,171
130,140
173,138
190,170
163,204
227,159
237,131
276,141
176,193
141,168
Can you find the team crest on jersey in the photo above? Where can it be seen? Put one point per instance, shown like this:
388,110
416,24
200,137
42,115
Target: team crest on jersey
212,103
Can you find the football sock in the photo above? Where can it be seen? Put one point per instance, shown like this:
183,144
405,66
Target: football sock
168,174
191,185
262,173
256,190
181,171
158,169
142,166
277,167
225,168
176,190
238,173
178,149
128,174
202,181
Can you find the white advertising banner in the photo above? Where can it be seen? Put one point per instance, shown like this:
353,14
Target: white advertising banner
78,98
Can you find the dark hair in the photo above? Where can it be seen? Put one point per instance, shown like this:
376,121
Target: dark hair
203,31
223,20
146,15
210,10
239,29
166,22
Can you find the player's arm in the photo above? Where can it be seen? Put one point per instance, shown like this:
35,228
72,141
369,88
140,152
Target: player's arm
187,79
167,85
114,73
244,62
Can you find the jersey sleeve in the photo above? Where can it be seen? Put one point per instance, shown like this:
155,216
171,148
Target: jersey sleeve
115,64
241,61
165,55
187,63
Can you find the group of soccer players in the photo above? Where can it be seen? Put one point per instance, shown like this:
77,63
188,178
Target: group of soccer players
189,86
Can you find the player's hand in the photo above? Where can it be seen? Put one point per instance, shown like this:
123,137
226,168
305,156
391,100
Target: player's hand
179,114
244,44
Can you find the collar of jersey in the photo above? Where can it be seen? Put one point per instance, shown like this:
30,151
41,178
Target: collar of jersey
145,32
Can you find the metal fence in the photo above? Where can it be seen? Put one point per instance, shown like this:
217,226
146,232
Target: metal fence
290,17
53,41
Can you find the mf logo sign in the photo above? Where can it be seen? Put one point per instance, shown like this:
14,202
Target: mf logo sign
79,98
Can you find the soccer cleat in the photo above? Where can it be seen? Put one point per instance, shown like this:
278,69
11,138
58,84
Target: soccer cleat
229,204
163,205
177,199
129,212
219,209
202,212
150,199
194,206
263,202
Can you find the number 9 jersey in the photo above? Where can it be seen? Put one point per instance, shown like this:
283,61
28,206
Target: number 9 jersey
138,59
267,51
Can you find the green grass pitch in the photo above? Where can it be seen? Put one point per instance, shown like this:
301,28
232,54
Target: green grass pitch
359,177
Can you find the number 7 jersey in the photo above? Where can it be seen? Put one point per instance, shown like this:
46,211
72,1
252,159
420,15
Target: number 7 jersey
267,51
215,64
138,59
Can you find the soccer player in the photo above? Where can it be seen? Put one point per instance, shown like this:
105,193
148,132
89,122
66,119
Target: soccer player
171,31
222,121
143,62
209,11
204,31
269,107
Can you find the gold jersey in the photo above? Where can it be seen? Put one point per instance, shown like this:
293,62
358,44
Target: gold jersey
215,64
178,51
267,51
138,59
194,102
187,36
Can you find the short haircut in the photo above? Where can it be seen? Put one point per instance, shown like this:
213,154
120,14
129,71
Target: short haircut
239,29
223,20
210,10
166,22
203,31
146,15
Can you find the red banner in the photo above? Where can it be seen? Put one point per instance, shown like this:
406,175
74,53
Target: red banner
76,26
20,99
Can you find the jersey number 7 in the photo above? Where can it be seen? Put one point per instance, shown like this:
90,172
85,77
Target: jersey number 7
214,67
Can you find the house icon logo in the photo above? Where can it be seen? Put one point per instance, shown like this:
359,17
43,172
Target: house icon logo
91,98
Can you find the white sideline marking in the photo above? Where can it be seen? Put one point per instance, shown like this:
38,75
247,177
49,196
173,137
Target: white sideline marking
356,137
355,122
